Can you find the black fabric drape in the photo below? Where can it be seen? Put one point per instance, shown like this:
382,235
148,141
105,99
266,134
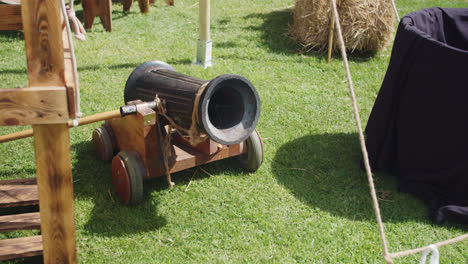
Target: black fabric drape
418,127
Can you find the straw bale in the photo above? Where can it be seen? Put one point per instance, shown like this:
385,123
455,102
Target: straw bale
367,25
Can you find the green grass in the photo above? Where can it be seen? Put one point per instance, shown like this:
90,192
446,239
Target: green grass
308,203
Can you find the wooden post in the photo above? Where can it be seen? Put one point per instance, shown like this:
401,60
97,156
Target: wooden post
330,35
204,42
44,51
55,186
204,16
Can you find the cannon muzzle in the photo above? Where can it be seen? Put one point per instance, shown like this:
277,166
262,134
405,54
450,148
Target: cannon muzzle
228,106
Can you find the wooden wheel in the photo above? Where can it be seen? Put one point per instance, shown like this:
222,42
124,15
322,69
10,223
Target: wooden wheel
103,144
128,170
253,158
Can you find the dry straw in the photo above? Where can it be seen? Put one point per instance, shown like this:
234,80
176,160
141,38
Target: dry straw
367,25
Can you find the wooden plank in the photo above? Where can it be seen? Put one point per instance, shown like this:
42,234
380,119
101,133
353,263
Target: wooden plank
184,157
207,147
25,181
20,222
18,195
129,132
10,17
55,186
38,105
20,247
188,158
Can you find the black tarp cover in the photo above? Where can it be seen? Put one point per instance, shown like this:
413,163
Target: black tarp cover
418,127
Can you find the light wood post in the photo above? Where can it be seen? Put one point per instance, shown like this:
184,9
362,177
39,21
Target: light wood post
44,51
204,16
55,186
330,35
204,44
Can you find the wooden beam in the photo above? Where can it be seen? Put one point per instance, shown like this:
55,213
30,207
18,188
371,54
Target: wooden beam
55,186
38,105
10,17
44,50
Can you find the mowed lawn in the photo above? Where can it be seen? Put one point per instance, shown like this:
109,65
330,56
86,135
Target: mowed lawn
308,203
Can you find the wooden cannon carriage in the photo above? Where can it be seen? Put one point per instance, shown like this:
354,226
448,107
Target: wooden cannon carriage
227,110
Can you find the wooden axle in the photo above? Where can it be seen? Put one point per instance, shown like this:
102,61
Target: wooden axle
83,121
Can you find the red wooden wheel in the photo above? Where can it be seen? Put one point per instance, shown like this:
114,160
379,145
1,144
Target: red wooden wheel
103,144
128,170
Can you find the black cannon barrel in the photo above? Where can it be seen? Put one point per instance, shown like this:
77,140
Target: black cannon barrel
228,109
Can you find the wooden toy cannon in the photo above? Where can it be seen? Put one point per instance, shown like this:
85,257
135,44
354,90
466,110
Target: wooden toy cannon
172,122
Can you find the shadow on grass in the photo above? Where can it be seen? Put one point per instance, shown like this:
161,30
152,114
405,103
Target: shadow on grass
12,34
275,35
275,31
14,71
174,62
109,216
107,66
13,173
324,172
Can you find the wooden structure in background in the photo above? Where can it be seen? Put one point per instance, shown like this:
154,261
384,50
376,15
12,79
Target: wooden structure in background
10,14
10,17
101,8
144,4
47,104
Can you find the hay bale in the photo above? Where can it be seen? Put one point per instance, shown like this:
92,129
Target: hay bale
367,25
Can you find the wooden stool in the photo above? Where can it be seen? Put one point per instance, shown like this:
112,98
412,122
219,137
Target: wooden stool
101,8
144,4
